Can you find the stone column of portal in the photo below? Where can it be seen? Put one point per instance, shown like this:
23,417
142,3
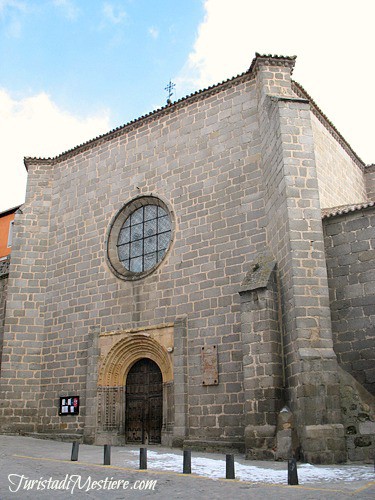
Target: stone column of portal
262,359
295,238
180,382
93,358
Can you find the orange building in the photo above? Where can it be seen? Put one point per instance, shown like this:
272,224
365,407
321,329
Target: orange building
6,231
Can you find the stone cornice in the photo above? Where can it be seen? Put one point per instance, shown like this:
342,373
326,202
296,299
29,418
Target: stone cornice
270,60
137,330
28,161
282,98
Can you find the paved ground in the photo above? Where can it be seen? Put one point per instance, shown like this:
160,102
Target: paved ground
23,459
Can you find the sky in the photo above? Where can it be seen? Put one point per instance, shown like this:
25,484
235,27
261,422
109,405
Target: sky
71,70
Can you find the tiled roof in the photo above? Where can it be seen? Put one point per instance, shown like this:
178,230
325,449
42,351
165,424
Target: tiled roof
10,211
168,108
272,60
345,209
138,122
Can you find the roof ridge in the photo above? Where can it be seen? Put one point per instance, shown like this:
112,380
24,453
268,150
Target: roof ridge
137,122
198,95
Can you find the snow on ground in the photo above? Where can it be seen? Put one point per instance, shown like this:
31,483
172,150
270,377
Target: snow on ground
215,469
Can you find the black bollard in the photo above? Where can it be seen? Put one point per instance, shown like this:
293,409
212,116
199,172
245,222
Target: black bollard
75,448
230,474
107,454
143,458
187,462
292,472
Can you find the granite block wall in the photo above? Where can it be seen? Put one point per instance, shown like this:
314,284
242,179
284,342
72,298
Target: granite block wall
295,238
236,166
206,169
24,334
340,176
350,250
358,409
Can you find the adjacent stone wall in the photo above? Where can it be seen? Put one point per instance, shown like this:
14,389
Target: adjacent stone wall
358,410
350,250
341,180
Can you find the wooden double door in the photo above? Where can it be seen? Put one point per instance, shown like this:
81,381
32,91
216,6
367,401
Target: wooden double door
144,403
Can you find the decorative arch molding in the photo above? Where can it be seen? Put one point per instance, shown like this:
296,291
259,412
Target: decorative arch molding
126,352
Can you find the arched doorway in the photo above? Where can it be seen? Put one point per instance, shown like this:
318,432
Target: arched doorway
144,403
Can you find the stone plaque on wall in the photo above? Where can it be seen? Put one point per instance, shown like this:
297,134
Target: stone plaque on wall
210,374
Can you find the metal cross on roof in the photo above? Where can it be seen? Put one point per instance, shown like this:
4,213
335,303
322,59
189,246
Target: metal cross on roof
169,88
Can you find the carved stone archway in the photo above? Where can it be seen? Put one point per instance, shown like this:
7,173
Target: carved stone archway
126,352
113,372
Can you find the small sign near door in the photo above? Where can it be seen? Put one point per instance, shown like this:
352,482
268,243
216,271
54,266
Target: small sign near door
69,405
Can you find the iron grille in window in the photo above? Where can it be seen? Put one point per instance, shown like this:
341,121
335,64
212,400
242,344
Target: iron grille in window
144,238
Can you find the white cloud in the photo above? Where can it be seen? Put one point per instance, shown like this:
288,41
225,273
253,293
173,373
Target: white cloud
114,14
332,40
153,32
35,126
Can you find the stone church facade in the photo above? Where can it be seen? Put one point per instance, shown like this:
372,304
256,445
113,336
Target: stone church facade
202,277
